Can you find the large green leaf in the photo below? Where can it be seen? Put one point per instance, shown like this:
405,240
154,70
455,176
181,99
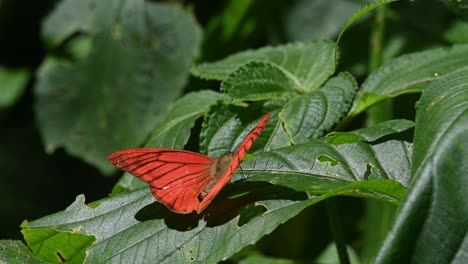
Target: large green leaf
15,252
307,65
137,64
132,227
409,73
432,221
71,16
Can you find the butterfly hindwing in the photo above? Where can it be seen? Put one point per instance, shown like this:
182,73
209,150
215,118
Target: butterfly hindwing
235,161
176,177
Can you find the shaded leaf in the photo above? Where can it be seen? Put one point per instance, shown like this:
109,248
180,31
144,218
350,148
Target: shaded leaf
432,219
112,99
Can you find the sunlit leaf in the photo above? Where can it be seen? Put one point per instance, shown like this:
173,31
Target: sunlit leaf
279,184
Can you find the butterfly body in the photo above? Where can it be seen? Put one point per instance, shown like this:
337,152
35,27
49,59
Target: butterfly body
184,181
217,170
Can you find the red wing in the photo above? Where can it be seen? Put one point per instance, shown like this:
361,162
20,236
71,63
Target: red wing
236,159
176,177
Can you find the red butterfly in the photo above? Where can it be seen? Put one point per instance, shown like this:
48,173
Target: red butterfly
184,181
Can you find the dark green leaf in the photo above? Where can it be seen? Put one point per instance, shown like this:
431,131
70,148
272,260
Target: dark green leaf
432,222
138,63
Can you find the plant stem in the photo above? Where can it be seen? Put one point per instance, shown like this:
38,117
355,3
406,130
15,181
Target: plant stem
335,225
376,39
382,111
379,215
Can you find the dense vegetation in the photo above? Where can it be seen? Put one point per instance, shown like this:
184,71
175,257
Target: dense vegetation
364,158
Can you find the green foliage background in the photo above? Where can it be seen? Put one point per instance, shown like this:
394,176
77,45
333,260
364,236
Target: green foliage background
366,148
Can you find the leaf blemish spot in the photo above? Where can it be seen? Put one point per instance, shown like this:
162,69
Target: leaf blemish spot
323,158
61,257
429,107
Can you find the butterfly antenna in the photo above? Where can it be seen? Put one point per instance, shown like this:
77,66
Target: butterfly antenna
242,172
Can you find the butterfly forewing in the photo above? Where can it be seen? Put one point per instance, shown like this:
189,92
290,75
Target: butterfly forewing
176,177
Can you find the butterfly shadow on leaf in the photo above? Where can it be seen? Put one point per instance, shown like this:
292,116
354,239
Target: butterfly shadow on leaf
235,199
